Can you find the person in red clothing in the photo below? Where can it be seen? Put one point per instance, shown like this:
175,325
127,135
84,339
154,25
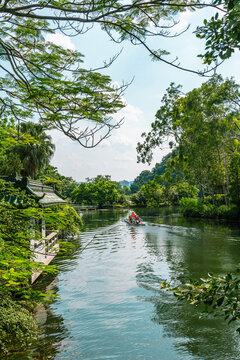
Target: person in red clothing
133,217
137,219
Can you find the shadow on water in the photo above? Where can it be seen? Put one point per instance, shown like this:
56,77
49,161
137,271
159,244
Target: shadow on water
195,336
100,218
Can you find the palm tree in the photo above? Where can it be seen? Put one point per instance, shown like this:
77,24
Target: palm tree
35,156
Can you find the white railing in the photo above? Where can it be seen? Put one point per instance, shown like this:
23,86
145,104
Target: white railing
45,251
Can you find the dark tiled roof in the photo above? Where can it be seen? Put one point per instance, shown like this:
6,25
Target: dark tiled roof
44,195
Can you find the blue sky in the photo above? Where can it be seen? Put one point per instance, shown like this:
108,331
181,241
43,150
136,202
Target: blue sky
116,156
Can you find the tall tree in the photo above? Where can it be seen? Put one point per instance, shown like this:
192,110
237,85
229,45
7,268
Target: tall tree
98,191
204,126
36,155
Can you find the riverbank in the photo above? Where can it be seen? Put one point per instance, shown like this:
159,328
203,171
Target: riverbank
202,209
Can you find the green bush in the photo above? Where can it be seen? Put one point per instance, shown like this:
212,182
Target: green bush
234,212
209,211
203,209
219,199
17,325
190,207
72,222
207,199
196,208
223,211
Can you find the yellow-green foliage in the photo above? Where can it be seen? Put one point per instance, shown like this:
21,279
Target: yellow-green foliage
72,222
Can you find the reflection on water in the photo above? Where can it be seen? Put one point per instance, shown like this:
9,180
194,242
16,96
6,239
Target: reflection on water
111,305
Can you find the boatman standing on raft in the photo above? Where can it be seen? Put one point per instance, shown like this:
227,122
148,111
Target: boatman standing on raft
133,218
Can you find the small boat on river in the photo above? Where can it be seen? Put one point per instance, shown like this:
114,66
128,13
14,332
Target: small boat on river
134,223
133,219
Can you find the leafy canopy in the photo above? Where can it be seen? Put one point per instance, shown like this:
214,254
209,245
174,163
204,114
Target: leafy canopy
203,127
221,33
97,191
42,80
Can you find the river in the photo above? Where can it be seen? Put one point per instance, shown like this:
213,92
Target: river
111,305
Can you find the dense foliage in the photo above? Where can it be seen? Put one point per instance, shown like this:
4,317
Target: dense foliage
204,209
146,175
98,191
204,128
154,194
17,324
221,33
64,185
17,258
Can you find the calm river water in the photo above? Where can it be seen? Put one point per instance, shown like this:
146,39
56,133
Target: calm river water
111,305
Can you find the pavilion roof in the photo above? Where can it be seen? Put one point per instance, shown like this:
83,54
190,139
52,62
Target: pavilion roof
44,195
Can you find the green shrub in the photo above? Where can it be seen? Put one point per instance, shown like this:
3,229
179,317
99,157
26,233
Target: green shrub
190,207
207,199
196,208
234,212
204,209
17,325
219,199
223,211
208,211
72,221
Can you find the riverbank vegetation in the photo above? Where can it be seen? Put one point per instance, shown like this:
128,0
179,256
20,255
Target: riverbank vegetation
17,261
204,131
17,258
203,127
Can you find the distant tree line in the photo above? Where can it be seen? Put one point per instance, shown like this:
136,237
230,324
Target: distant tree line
101,191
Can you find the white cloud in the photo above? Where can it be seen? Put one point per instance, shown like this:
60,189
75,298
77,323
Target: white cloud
132,113
61,40
131,129
183,21
115,156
